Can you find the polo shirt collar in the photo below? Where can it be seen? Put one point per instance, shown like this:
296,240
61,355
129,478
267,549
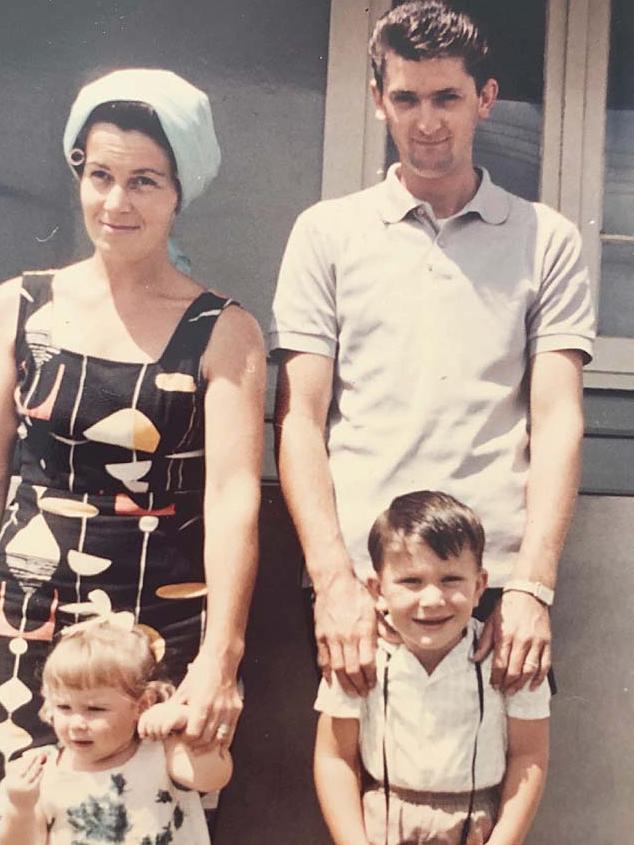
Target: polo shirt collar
490,202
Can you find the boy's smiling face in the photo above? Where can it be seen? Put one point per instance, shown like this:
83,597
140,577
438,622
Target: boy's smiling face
430,600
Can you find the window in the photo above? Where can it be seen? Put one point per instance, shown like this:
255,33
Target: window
590,144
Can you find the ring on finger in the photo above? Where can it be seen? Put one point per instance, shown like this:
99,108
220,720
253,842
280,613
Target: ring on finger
223,731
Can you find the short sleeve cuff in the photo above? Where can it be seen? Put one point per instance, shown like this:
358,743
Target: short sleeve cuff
529,704
559,342
298,342
333,701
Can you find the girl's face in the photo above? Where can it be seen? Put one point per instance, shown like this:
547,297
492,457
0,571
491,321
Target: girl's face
128,195
97,727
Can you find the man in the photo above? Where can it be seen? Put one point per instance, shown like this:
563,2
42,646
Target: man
424,326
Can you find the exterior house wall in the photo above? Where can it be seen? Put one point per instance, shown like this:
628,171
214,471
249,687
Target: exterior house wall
265,65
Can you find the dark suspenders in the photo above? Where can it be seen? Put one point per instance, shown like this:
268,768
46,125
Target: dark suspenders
386,781
467,822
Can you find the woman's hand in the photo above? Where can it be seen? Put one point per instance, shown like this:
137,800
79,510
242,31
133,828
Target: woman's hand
214,703
22,782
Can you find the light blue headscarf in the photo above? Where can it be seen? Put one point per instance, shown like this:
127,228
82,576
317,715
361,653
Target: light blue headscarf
184,113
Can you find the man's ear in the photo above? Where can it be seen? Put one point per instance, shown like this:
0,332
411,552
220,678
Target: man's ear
488,96
377,96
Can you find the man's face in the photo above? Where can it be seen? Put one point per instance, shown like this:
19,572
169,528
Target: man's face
432,109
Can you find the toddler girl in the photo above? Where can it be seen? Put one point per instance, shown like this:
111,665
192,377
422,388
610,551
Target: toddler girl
108,781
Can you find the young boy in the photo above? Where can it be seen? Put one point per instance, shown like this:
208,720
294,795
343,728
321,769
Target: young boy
433,754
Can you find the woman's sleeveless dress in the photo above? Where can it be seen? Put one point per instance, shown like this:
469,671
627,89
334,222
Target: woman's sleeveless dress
108,511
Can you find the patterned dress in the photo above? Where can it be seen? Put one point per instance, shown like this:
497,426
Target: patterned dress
108,511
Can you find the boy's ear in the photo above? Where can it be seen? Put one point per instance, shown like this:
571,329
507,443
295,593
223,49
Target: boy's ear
374,588
372,583
482,584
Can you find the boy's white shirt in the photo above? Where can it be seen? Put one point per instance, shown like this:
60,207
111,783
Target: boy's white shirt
432,719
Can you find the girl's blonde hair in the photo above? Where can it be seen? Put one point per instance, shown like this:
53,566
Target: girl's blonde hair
98,653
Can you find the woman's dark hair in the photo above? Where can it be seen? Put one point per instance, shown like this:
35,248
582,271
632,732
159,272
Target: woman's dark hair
429,29
437,519
129,115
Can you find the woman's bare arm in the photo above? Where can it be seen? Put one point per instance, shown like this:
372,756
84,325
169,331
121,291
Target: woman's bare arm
235,368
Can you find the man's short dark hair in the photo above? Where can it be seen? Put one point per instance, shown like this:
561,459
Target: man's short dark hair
429,29
437,519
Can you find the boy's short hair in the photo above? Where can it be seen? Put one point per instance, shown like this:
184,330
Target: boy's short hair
437,519
429,29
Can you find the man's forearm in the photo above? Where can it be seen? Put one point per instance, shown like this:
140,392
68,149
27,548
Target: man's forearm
345,622
555,459
551,493
308,490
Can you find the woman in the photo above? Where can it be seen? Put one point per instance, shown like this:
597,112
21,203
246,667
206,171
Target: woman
137,396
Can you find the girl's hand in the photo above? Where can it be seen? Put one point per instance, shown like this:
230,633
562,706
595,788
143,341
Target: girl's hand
22,782
214,703
160,720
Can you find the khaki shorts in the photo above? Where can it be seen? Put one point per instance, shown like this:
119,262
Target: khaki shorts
433,818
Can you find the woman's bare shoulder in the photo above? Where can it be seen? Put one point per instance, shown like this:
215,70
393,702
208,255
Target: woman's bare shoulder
238,326
10,288
236,343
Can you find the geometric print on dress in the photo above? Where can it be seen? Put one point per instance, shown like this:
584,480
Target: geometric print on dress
110,498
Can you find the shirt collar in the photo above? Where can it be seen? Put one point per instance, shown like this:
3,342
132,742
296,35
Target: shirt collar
403,661
490,202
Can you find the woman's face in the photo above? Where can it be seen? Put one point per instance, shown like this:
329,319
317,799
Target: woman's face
128,194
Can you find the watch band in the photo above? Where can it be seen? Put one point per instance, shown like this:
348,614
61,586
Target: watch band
533,588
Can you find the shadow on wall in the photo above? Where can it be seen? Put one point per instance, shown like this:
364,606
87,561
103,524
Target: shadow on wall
271,799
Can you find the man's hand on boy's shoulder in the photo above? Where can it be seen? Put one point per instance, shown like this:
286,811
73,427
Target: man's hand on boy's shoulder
519,633
345,631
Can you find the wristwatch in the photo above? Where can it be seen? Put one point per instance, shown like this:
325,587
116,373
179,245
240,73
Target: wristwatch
534,588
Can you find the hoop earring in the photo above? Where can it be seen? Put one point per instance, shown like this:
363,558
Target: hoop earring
77,157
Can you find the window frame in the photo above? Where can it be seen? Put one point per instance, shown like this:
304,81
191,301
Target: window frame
582,161
354,141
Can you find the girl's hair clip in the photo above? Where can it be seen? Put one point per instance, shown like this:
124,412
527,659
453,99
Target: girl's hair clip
123,620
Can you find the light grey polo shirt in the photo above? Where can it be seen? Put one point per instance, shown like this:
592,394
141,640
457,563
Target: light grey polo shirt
431,325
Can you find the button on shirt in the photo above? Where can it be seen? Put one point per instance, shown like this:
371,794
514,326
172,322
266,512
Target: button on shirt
432,720
431,324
